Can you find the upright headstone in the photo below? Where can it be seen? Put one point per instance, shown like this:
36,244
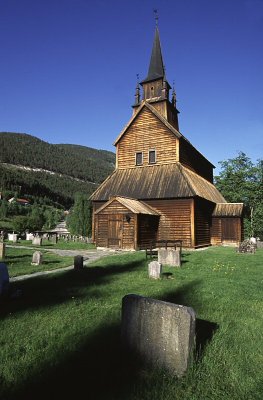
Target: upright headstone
37,241
37,258
160,333
170,257
154,269
2,251
4,279
29,236
78,262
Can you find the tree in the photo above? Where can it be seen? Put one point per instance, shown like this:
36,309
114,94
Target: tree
36,219
20,223
79,219
3,208
241,181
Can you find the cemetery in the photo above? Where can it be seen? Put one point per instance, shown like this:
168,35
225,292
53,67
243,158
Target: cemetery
90,304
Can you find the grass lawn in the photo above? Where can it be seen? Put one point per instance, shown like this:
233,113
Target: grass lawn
61,338
19,261
61,244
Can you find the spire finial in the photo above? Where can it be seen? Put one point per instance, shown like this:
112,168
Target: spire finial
156,16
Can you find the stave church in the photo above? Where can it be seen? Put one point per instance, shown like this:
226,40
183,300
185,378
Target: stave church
162,186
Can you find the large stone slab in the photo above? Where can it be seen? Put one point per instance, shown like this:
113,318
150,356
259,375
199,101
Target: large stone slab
160,333
170,257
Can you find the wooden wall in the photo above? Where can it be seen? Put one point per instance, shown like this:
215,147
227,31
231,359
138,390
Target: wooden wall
147,229
227,230
191,158
203,222
175,220
146,133
105,219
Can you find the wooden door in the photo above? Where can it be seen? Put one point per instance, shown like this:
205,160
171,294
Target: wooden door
229,229
115,231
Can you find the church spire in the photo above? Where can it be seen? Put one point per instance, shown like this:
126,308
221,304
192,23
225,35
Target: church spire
156,67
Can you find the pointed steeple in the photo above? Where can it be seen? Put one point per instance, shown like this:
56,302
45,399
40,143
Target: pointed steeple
156,67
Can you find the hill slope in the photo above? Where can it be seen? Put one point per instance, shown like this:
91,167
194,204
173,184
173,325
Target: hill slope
31,166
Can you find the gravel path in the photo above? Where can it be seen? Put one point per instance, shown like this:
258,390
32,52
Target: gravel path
88,257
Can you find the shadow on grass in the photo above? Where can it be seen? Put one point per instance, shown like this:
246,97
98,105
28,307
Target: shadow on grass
97,369
49,290
205,330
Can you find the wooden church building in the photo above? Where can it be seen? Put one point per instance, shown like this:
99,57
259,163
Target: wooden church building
162,187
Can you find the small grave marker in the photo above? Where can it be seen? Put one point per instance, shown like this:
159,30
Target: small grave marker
2,251
154,269
37,258
78,262
37,241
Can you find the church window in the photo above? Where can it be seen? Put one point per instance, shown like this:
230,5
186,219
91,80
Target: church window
138,158
152,156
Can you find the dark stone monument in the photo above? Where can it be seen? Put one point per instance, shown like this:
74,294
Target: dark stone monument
4,279
78,262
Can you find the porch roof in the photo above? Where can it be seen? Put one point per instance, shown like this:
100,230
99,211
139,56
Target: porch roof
135,206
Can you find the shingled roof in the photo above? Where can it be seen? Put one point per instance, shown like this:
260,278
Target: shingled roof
156,67
135,206
157,182
228,210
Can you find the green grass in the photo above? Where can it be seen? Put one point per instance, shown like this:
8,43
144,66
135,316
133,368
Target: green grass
19,261
61,244
61,338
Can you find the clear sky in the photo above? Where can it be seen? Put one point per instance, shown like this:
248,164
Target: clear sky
68,69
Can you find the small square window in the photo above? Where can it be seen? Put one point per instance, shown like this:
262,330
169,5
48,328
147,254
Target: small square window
152,156
138,158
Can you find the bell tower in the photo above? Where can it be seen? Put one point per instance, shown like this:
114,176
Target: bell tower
155,86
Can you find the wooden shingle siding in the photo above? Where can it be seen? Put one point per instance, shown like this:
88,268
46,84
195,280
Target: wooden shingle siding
194,160
147,132
203,221
175,220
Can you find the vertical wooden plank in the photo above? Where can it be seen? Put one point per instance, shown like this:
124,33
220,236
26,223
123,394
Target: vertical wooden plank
193,222
135,231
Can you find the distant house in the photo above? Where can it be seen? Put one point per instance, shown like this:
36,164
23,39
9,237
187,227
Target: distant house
162,187
22,202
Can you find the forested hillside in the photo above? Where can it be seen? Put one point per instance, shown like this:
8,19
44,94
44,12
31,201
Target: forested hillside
72,168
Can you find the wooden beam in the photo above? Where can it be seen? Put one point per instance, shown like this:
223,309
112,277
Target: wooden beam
193,222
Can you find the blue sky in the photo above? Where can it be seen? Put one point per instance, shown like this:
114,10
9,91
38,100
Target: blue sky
68,69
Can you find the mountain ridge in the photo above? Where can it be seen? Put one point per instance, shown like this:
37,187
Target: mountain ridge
30,164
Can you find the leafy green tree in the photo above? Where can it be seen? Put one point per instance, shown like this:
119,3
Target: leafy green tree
36,219
242,181
3,209
79,219
20,223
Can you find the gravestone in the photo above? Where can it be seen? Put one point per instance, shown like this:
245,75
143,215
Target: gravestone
37,258
170,257
2,251
160,333
154,270
54,239
37,241
29,236
4,279
78,262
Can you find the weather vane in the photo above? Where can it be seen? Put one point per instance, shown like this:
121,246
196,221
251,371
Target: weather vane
156,16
